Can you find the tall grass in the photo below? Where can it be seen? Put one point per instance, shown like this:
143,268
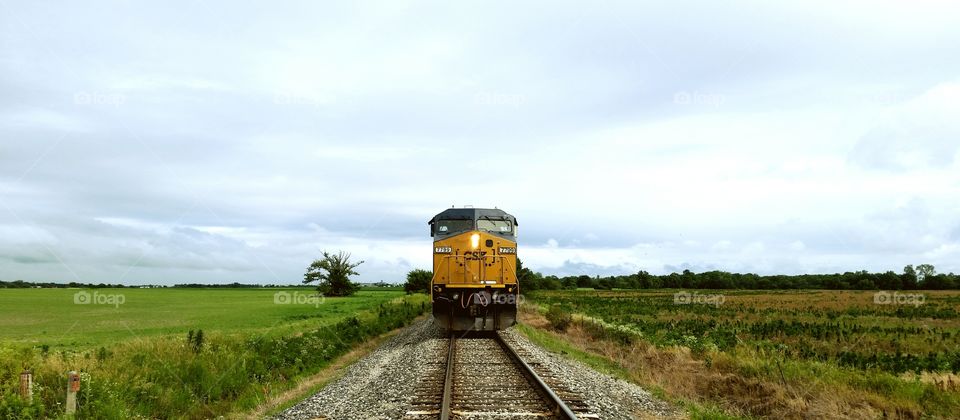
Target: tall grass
169,376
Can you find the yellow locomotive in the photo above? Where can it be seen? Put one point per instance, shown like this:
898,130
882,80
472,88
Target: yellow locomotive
474,285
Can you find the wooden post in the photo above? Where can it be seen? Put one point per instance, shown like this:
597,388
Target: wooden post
26,386
73,386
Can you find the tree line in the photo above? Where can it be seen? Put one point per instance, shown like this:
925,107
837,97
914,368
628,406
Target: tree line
921,277
20,284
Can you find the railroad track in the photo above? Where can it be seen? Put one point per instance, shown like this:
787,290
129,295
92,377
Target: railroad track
482,377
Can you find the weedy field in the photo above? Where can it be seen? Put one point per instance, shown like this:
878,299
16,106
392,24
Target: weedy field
771,353
141,352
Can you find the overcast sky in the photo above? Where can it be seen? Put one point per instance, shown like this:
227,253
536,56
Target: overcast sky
204,141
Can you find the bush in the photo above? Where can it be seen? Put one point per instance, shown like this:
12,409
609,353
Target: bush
559,319
418,281
12,407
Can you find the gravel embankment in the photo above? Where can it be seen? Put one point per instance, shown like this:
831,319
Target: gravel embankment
608,397
380,385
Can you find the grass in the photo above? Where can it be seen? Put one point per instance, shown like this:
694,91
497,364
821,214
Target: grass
50,317
766,354
557,344
847,327
538,330
136,361
312,384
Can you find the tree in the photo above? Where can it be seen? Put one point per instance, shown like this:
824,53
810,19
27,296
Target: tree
526,277
909,278
644,280
332,274
865,284
938,282
924,271
418,281
688,279
551,283
889,281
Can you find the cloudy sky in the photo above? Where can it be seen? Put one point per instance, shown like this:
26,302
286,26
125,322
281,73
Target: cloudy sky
210,141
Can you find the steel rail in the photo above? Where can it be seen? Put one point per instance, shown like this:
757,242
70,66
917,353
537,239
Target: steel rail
448,381
559,407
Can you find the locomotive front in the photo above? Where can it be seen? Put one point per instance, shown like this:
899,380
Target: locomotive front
474,285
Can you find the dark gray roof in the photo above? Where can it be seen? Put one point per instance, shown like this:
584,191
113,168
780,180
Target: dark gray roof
473,214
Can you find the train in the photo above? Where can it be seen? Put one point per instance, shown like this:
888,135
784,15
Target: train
474,285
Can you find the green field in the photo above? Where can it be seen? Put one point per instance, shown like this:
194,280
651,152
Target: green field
796,353
50,316
140,357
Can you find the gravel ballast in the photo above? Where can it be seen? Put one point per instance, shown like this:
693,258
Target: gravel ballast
608,397
381,384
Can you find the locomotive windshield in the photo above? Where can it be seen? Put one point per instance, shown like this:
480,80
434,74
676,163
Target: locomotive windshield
491,225
446,227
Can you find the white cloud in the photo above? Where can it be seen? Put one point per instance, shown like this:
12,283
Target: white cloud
240,142
920,133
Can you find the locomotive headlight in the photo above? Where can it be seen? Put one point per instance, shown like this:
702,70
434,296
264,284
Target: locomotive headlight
508,250
442,249
475,240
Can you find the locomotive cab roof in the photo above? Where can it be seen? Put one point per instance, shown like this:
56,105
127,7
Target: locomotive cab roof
494,218
473,214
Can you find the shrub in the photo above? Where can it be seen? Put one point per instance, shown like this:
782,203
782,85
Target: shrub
559,319
195,340
418,281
